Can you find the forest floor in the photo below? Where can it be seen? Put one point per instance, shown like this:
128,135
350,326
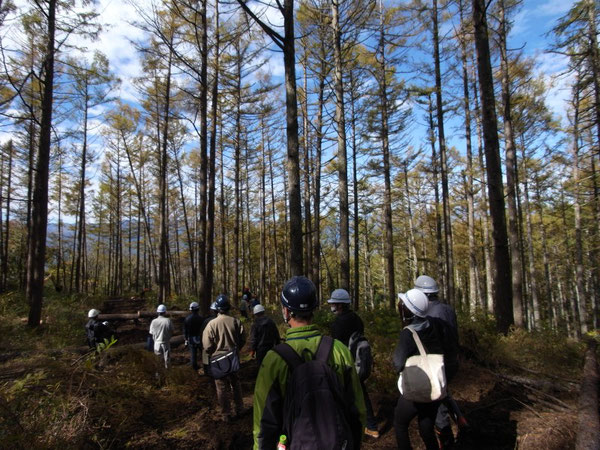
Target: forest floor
51,398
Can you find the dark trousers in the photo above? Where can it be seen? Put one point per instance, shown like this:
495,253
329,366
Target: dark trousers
371,421
194,355
425,412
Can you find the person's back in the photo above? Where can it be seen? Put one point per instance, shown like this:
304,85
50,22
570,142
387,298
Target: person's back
222,334
345,325
161,330
264,334
193,326
298,300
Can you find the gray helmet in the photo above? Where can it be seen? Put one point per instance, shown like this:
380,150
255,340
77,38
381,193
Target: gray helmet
194,306
426,284
339,296
93,313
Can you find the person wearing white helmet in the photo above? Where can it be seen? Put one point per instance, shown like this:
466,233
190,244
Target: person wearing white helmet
161,330
192,331
345,324
264,334
436,338
445,312
95,330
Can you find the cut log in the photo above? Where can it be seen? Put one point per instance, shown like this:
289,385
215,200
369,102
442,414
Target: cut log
588,433
140,314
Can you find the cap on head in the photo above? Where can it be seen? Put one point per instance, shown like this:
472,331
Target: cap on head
426,284
299,294
194,306
93,313
416,302
258,309
339,296
245,297
161,309
222,303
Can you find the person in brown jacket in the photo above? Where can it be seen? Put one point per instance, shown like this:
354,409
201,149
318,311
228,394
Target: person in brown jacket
221,335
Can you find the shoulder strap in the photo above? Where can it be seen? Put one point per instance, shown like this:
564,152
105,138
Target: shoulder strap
289,355
324,349
418,342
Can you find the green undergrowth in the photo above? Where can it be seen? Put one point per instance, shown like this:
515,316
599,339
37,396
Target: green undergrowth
54,394
544,352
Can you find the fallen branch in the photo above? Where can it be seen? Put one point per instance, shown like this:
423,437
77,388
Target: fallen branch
588,433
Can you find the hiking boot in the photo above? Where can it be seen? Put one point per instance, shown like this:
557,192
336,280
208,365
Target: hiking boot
373,433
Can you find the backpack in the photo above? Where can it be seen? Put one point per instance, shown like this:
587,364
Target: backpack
317,413
363,357
423,379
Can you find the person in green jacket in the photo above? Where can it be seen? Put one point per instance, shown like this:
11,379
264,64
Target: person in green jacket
298,300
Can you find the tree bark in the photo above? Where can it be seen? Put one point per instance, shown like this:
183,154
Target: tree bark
447,238
36,254
503,282
342,159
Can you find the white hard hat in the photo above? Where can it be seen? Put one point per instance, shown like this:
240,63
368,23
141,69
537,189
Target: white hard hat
416,301
339,296
258,309
194,306
426,284
161,309
93,313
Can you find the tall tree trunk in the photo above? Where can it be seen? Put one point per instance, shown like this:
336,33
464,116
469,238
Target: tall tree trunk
436,189
503,281
4,279
356,288
82,179
448,251
485,226
388,235
238,198
202,254
473,281
535,304
163,266
579,269
316,275
36,252
511,177
342,160
308,251
293,163
210,225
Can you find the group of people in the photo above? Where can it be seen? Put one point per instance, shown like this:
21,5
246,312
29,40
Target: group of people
220,336
433,321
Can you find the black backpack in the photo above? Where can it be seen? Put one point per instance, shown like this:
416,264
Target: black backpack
317,413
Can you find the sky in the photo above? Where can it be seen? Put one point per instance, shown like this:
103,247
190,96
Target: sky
532,22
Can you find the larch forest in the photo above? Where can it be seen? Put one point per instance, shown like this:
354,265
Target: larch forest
214,179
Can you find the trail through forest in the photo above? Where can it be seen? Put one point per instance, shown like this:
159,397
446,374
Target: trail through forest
503,411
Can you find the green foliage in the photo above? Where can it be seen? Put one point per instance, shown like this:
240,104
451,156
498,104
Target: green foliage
544,351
